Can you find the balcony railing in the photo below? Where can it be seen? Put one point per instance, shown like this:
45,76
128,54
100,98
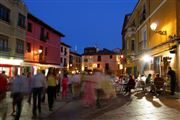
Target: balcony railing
20,51
5,49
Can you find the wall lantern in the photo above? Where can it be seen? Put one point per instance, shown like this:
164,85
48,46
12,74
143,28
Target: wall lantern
153,27
38,53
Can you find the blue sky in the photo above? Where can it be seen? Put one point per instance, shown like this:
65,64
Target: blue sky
85,23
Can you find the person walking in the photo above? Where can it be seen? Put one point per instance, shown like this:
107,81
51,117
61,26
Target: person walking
3,85
3,89
172,76
64,86
76,86
29,78
51,89
38,84
44,89
18,90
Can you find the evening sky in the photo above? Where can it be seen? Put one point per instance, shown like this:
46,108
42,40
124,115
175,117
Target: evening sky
85,23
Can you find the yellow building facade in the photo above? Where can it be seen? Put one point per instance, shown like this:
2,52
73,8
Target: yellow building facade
157,36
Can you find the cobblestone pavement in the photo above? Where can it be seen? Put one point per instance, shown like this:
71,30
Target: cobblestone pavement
138,106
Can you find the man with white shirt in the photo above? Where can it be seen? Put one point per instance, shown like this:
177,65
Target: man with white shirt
18,91
38,84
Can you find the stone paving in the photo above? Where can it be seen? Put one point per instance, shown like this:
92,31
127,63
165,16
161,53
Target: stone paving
146,107
27,109
138,106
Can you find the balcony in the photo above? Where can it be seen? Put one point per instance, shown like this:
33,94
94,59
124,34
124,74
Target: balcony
20,51
130,32
5,49
142,45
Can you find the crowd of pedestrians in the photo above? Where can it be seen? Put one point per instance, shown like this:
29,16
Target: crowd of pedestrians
91,89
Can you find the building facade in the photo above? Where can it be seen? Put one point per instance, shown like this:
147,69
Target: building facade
129,47
65,51
104,60
42,47
13,17
156,25
74,62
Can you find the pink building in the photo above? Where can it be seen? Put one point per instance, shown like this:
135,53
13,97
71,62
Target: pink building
42,47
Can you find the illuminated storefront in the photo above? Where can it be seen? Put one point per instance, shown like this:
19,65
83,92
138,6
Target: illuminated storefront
10,66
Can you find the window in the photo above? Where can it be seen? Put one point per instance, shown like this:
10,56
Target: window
3,44
85,60
47,35
65,62
61,49
21,20
98,66
29,27
28,47
65,51
144,37
4,13
143,14
71,59
42,36
99,58
110,56
132,45
46,51
127,44
61,60
20,46
106,66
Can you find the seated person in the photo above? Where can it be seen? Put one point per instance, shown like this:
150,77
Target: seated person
158,82
148,79
131,84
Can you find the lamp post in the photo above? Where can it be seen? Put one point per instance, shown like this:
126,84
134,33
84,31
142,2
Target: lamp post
153,27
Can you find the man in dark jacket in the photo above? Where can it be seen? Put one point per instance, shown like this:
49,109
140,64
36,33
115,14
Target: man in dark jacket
172,76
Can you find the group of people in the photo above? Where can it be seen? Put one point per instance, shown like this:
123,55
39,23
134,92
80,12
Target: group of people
35,87
90,88
143,82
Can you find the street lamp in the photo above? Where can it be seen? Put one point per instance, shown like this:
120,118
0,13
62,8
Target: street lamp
39,51
153,27
147,58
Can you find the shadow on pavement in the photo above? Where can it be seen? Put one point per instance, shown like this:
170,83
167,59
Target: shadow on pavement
171,102
149,97
116,103
139,95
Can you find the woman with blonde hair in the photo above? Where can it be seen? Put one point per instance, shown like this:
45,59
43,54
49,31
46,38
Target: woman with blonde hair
51,89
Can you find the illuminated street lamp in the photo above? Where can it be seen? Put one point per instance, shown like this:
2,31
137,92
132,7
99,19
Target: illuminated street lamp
153,27
39,51
147,58
121,56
